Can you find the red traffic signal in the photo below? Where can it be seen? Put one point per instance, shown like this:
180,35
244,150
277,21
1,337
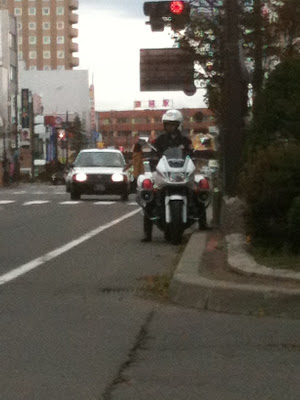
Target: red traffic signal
177,7
161,13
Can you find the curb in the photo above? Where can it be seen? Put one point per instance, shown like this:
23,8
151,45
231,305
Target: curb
239,260
190,288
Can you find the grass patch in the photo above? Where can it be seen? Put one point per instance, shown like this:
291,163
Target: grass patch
157,286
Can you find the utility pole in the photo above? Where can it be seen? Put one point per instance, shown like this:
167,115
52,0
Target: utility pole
258,74
67,138
31,130
233,129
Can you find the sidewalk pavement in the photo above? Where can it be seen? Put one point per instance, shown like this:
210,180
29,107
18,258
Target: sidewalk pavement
216,272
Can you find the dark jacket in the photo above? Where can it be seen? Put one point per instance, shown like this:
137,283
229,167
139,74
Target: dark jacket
165,141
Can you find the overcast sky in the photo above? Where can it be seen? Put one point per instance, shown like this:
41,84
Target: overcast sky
111,34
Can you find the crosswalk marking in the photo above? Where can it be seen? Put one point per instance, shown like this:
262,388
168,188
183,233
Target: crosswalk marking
29,203
104,203
69,202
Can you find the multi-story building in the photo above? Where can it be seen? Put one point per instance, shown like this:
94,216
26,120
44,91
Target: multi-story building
8,84
46,33
121,128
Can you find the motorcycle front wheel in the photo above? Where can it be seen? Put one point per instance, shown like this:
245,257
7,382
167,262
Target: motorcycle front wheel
176,225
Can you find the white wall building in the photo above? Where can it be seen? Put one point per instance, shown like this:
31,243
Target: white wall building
60,91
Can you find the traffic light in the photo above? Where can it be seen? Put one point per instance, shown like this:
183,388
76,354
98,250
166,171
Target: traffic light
161,13
61,134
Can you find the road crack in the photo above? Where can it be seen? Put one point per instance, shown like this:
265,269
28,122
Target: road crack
138,344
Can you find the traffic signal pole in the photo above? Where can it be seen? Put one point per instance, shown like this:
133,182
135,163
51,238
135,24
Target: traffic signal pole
233,125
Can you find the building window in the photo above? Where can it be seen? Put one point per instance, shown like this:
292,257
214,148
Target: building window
60,40
33,68
122,120
31,11
60,67
60,25
60,11
32,26
46,11
20,55
18,11
46,39
13,73
32,55
19,26
12,41
60,54
47,68
47,54
32,39
20,40
46,26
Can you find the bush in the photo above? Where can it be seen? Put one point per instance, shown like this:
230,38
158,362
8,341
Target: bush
269,184
294,225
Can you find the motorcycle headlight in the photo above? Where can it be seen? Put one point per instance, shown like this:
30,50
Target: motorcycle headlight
117,177
80,177
177,177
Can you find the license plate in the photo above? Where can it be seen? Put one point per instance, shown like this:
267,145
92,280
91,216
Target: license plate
99,188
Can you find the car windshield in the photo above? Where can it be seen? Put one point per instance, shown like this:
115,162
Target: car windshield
99,159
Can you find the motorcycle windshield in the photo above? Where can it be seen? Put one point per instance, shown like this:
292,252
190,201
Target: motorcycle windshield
175,157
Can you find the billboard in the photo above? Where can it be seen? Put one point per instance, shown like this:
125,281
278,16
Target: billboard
170,69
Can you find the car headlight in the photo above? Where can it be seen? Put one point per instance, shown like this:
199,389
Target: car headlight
117,177
80,177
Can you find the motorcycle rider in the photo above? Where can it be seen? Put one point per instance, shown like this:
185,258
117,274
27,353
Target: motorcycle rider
171,137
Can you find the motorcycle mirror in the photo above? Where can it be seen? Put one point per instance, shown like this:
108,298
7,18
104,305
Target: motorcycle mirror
144,142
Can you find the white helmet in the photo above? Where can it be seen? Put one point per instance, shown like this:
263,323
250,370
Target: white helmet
173,116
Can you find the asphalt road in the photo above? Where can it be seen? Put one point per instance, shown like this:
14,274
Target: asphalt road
73,324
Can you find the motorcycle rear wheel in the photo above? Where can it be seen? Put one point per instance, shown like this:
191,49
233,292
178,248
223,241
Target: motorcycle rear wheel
176,224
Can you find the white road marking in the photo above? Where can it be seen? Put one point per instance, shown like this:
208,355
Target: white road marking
104,203
20,192
133,203
7,201
70,202
29,203
23,269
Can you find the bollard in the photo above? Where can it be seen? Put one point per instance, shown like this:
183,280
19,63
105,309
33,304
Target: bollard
216,206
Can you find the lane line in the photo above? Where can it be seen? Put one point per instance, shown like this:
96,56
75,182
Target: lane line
7,201
23,269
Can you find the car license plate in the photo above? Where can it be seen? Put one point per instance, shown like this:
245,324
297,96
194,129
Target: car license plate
99,188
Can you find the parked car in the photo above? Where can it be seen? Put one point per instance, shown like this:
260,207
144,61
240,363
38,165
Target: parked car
98,171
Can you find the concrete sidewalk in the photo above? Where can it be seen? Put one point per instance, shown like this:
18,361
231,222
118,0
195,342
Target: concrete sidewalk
217,273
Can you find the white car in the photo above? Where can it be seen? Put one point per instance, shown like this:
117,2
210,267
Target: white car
98,171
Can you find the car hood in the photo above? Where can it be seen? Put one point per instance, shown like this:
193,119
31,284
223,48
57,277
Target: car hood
98,170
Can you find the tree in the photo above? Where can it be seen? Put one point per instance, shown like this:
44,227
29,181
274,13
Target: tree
78,141
277,114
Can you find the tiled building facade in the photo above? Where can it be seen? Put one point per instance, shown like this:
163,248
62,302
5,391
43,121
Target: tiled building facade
120,128
46,33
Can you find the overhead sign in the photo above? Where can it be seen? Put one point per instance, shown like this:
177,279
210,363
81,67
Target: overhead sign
166,70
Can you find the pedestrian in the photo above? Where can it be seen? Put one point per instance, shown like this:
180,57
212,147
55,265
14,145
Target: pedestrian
11,171
137,164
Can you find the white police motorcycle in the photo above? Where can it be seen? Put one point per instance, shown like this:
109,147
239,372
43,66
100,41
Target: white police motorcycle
173,197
